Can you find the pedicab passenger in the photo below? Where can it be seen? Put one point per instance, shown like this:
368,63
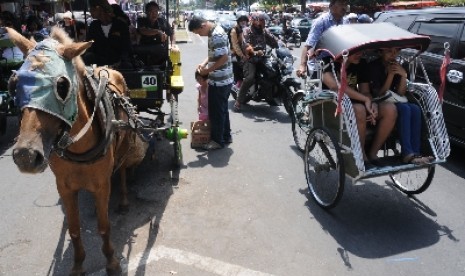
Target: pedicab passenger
381,115
112,45
154,32
388,75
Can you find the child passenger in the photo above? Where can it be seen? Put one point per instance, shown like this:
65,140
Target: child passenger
202,87
388,74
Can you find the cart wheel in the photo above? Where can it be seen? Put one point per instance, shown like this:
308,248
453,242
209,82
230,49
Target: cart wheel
3,123
301,121
324,168
177,148
174,124
414,182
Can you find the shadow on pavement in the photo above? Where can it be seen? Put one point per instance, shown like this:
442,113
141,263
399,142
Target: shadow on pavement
377,221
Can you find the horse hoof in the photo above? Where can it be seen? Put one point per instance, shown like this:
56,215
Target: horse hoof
77,273
114,270
123,209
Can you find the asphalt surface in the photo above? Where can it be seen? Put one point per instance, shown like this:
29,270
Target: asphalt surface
241,210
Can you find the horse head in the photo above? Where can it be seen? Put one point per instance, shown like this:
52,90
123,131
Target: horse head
45,88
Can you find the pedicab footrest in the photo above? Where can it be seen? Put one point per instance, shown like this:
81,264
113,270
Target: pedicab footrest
177,84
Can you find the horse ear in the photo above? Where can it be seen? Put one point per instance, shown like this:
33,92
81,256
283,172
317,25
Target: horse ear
76,49
19,40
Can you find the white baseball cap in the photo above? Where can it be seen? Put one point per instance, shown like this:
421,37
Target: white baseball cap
68,14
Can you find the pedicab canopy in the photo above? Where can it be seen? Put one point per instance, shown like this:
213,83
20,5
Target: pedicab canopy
353,38
360,37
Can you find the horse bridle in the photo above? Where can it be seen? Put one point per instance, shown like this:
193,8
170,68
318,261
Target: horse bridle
104,109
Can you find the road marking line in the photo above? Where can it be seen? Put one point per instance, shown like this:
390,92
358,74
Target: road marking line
187,258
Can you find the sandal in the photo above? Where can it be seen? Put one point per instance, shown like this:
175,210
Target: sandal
415,159
237,107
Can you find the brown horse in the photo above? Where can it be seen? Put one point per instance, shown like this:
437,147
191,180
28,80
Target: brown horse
54,90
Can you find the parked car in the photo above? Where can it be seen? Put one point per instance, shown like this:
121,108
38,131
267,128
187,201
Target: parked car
304,25
442,25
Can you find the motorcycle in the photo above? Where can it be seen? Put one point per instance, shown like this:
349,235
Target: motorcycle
293,36
273,79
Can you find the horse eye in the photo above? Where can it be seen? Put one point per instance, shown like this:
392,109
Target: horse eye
63,87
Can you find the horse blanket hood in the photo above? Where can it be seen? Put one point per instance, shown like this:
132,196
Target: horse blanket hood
38,78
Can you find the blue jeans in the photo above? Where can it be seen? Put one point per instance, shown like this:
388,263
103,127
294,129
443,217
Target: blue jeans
409,128
219,113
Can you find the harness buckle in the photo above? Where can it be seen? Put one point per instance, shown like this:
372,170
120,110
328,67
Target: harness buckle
65,141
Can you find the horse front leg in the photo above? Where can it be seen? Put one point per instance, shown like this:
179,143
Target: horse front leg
102,198
123,207
70,202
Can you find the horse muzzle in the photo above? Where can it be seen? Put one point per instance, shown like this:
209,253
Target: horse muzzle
29,159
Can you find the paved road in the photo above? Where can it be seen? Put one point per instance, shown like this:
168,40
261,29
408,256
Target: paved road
242,210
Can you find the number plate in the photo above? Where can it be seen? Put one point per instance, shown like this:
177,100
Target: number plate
149,82
138,93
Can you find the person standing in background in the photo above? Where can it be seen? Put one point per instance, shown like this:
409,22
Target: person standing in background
219,70
236,51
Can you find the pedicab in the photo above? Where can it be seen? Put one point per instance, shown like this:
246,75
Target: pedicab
328,136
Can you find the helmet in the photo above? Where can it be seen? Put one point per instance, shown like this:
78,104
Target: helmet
260,16
352,16
365,18
242,17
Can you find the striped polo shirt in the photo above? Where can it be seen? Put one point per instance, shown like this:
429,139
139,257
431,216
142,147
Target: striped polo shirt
218,45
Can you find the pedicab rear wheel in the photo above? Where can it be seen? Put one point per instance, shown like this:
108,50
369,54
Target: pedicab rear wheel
415,181
301,122
324,168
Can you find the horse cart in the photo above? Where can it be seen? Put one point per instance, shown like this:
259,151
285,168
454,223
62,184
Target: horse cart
325,127
147,85
7,106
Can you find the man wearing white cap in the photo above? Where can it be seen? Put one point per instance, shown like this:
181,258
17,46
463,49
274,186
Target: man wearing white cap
72,28
352,18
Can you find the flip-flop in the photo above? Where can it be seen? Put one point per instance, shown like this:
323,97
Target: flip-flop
415,159
237,108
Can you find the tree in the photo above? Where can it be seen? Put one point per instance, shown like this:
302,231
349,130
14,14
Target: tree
452,2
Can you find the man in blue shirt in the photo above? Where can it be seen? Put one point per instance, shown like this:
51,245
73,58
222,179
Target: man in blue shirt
337,10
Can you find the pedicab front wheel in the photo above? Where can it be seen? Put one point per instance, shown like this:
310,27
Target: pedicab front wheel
324,168
414,182
301,121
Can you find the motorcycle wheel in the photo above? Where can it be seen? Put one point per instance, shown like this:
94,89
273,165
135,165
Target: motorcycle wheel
298,43
287,96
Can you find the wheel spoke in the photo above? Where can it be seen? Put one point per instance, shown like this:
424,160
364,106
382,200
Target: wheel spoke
324,168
